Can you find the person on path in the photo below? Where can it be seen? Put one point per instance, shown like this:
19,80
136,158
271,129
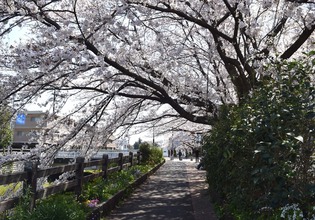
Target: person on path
180,155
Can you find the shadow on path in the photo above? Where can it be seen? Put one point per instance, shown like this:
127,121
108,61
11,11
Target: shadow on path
165,195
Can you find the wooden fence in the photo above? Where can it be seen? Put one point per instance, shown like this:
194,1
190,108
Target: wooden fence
32,173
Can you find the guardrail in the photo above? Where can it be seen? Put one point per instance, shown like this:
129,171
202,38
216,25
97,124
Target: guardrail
32,173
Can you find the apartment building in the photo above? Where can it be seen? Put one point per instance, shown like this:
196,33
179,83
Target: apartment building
26,125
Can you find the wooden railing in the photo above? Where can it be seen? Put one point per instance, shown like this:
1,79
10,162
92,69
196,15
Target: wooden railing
32,173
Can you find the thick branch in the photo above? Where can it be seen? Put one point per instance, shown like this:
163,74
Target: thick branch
181,14
298,43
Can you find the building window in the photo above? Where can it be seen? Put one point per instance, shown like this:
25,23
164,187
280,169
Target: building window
20,133
36,119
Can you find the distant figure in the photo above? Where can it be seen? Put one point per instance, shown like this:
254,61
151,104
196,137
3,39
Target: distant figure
172,155
201,165
180,155
197,155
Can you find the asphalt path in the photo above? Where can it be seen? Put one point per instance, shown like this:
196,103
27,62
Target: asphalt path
176,191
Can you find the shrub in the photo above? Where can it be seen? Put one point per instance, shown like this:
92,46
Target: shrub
145,150
151,155
259,153
156,155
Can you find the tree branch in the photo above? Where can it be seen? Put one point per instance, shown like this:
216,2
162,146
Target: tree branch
299,42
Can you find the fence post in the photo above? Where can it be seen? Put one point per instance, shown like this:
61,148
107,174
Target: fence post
121,162
31,182
79,176
105,166
139,157
131,158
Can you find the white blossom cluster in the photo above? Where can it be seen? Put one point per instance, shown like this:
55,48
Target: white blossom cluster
293,212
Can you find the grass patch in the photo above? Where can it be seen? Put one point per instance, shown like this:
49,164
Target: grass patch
13,187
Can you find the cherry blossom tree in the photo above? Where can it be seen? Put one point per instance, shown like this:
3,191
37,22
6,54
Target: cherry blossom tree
118,63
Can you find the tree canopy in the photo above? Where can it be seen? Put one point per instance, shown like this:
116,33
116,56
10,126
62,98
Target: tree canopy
126,62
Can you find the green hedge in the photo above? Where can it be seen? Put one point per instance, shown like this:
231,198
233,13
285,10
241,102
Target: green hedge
258,156
150,154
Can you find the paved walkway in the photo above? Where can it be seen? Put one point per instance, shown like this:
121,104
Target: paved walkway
176,191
